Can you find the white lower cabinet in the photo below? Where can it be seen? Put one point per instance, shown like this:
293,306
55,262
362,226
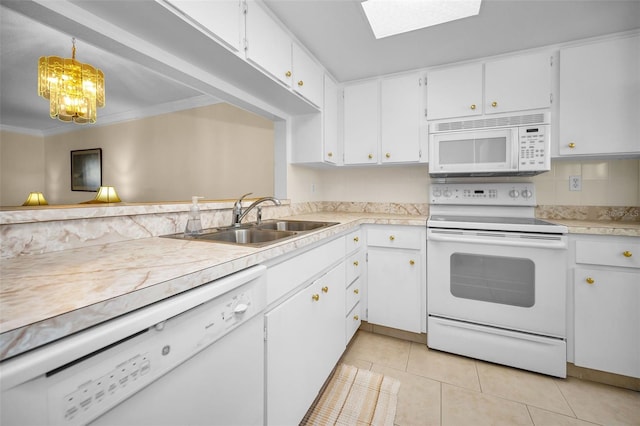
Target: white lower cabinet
396,283
607,304
305,337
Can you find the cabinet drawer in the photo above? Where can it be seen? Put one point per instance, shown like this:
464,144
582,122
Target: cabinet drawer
353,241
353,322
355,263
286,276
353,295
615,253
405,237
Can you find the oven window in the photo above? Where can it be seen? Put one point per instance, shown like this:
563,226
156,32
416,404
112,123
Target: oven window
496,279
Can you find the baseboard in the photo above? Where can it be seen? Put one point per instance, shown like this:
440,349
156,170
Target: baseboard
394,332
582,373
604,377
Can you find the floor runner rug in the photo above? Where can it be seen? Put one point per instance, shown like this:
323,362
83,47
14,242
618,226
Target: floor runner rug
355,397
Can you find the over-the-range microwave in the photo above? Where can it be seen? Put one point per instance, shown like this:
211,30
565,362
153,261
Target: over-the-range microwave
516,145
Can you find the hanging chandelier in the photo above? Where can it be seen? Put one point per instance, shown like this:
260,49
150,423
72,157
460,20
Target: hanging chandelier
74,89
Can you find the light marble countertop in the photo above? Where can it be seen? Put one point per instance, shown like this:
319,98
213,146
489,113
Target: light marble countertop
610,227
49,296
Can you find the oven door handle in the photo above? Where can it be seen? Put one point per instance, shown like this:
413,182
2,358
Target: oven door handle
558,242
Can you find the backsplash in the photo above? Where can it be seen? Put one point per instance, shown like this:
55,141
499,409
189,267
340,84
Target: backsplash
36,231
589,213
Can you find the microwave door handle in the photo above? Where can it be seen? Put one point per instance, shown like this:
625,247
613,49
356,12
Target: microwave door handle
515,147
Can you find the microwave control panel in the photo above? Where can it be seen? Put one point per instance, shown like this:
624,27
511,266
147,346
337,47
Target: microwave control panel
534,146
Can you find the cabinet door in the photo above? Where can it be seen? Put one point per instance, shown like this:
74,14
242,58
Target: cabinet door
304,339
454,92
361,125
222,19
599,98
307,76
394,288
330,121
607,321
400,111
268,45
518,83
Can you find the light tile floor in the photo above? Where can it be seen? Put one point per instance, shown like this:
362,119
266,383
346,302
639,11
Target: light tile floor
438,388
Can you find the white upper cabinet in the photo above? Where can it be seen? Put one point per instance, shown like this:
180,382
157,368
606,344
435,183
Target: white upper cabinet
600,98
400,114
307,76
221,19
454,92
382,120
330,121
315,136
268,46
361,123
517,83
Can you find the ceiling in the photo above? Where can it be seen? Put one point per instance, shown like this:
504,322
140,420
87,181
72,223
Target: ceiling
338,34
335,31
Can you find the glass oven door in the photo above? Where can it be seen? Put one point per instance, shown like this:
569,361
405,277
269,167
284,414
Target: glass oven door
509,280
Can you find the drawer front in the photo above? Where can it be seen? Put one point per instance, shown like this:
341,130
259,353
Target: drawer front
615,253
353,241
353,295
353,322
406,237
355,264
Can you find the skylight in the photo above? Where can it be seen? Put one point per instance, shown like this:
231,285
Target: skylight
391,17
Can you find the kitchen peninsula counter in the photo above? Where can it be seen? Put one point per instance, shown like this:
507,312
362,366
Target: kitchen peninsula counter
45,297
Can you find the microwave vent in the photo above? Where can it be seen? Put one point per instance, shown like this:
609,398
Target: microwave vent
513,120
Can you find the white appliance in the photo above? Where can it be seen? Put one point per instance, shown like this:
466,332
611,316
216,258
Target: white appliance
496,277
507,146
194,358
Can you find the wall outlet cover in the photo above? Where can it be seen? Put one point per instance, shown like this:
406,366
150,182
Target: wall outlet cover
575,183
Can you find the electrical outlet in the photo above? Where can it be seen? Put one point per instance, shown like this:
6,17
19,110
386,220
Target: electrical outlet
575,183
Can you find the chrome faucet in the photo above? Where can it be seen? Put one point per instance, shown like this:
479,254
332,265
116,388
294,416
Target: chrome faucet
238,214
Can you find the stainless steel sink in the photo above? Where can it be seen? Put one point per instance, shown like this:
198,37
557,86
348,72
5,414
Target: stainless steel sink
252,236
293,225
256,235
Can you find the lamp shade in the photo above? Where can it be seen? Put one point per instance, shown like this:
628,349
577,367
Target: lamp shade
35,199
107,194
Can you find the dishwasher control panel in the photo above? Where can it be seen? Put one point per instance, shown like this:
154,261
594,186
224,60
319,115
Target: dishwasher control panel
83,390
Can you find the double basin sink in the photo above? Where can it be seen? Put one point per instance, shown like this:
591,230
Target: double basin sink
256,235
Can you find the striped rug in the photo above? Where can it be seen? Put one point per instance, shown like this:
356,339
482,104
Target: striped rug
355,397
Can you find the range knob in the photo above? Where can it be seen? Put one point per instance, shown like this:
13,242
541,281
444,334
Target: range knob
526,193
446,193
514,193
437,193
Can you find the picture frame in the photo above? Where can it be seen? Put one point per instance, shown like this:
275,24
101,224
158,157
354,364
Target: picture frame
86,170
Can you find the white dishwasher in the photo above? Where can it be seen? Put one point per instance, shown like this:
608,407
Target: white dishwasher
193,359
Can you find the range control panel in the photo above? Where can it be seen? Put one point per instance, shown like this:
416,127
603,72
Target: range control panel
488,194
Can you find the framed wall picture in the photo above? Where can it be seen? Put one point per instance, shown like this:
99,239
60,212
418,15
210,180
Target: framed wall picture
86,170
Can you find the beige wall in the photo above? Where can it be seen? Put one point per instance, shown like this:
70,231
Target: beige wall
217,151
604,183
21,167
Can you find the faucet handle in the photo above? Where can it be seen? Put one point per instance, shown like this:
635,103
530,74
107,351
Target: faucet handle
238,202
245,195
